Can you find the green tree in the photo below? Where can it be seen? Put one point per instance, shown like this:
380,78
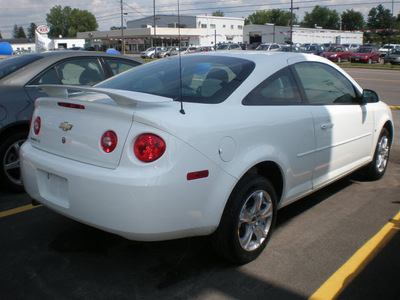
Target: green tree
321,16
352,20
380,18
31,31
15,31
68,22
276,16
18,32
21,33
218,13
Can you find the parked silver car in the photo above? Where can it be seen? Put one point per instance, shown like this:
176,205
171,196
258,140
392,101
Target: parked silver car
19,78
151,52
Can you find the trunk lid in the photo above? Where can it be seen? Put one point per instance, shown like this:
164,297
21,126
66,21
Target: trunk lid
73,127
75,133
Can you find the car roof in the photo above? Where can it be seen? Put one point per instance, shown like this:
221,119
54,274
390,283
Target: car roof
269,56
51,57
57,55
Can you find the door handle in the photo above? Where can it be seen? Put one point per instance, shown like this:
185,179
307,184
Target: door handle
326,126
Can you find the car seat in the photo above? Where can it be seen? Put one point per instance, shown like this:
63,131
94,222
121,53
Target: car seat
90,77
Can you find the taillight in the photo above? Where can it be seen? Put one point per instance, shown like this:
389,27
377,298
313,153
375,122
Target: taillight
149,147
36,125
71,105
109,141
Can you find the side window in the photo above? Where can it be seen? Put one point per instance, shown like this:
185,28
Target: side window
324,85
48,77
118,65
86,71
280,88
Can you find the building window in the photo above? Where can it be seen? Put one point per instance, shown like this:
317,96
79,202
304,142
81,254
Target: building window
212,26
203,25
224,26
240,27
231,26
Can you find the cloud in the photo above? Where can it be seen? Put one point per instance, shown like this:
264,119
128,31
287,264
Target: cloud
108,13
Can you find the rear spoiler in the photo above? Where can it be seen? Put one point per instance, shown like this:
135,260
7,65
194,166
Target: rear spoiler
121,97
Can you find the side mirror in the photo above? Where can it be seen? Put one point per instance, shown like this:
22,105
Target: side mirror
369,96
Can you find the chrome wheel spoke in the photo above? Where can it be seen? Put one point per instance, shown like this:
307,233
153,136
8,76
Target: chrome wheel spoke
255,220
246,240
12,166
11,162
245,217
383,154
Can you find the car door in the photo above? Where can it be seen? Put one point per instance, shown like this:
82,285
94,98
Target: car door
343,127
286,129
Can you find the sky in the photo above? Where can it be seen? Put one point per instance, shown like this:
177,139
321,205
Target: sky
108,12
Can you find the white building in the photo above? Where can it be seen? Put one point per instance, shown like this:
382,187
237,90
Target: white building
269,33
212,29
67,43
194,30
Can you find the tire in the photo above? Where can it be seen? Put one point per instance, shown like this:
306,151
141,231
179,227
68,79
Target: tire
248,220
10,175
377,168
152,56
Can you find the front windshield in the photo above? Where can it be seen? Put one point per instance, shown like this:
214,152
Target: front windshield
263,47
335,49
396,52
13,64
204,78
222,47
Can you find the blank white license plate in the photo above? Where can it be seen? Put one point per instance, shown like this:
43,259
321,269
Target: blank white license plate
53,188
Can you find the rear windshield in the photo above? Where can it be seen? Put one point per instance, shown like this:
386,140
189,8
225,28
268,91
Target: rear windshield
13,64
365,50
204,78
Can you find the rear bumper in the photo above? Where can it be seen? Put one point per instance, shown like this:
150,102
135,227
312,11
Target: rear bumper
138,205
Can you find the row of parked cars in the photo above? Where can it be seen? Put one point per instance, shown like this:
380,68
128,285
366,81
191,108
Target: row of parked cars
355,53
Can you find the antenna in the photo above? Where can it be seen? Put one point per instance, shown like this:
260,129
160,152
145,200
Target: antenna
182,111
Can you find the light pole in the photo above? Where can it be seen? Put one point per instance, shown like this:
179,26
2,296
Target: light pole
154,23
122,27
291,24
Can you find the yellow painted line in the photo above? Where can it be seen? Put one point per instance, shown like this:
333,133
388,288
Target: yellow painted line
374,79
394,107
353,267
17,210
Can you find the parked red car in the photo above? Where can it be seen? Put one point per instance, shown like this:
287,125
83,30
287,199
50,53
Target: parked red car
366,55
337,53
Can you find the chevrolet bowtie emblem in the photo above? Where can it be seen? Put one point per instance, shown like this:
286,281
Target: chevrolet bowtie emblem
65,126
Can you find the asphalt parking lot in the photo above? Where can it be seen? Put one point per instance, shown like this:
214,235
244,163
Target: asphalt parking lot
342,242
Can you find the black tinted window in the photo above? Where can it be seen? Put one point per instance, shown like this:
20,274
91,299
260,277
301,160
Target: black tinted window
198,78
118,65
280,88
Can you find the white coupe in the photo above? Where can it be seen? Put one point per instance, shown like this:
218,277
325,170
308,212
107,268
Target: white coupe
203,144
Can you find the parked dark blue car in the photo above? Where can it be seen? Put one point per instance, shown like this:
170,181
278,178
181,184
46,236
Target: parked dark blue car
317,50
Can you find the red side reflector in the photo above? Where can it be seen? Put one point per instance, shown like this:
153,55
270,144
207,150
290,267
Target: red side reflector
71,105
197,175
